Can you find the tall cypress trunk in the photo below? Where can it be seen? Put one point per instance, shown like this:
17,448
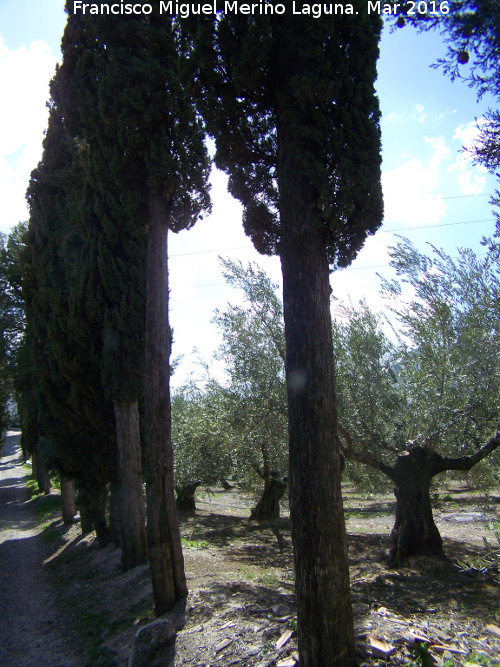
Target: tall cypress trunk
324,611
325,622
164,540
68,499
131,498
43,478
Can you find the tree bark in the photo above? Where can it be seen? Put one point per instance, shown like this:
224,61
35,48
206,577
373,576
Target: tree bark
92,499
414,532
324,612
114,514
43,479
99,503
68,499
131,497
163,535
185,496
34,464
268,507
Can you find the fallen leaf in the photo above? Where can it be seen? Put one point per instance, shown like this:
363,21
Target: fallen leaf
229,624
382,611
287,662
284,638
223,644
379,645
493,629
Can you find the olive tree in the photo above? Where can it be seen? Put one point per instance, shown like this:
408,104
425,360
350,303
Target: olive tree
253,354
428,404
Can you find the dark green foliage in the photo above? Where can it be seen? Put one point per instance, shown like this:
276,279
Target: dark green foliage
121,93
11,316
119,97
327,104
122,98
72,411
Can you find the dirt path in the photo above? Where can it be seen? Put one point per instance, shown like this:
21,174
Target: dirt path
31,633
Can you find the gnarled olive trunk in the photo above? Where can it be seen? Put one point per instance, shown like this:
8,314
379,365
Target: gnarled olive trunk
131,497
163,535
268,507
185,496
414,532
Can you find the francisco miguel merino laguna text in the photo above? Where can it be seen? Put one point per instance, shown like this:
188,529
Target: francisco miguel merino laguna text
184,10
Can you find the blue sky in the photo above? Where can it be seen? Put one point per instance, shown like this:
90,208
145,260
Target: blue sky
432,192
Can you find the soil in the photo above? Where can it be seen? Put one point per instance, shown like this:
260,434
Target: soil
64,601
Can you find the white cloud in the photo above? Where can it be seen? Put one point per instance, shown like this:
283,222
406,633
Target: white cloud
419,113
410,191
468,134
390,117
471,178
24,80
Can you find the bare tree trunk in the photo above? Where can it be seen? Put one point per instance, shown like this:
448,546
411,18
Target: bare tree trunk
268,507
324,612
185,496
114,514
68,499
164,540
92,499
34,464
132,510
43,478
99,503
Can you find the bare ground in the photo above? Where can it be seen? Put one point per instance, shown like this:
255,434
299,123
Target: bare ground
78,608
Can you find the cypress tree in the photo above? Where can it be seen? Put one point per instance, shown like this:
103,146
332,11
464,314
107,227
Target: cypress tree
290,101
73,415
122,95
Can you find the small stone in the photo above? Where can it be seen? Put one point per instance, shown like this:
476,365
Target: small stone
269,633
281,610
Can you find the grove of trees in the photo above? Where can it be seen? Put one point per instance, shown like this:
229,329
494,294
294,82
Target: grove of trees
291,105
417,387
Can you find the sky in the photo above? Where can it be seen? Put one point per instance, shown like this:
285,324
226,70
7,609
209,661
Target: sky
432,191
